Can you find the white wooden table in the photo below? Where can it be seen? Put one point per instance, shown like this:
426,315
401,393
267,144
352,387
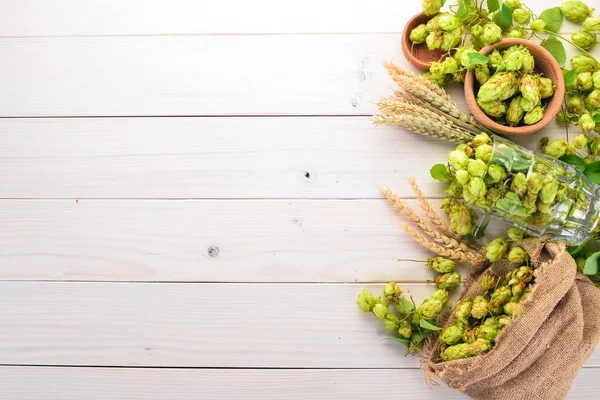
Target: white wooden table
189,200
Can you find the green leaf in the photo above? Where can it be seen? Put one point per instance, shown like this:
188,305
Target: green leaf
573,117
596,117
553,18
417,337
575,251
591,264
504,18
439,172
463,11
570,77
592,171
404,306
493,5
478,58
574,160
403,341
423,323
556,48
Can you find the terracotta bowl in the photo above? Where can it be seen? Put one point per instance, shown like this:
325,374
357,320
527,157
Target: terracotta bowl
544,64
419,55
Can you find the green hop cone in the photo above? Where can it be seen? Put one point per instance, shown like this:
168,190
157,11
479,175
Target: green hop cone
449,66
482,73
497,173
392,291
490,321
586,122
514,112
528,63
404,306
494,108
513,310
461,220
575,104
448,281
546,87
548,192
592,24
440,295
458,159
380,311
521,16
588,160
585,81
451,38
448,22
418,34
575,10
513,4
496,60
488,333
517,291
481,139
556,149
365,301
517,255
383,301
481,346
489,282
458,352
462,177
477,188
439,80
496,249
526,293
441,265
544,208
515,234
484,152
503,321
464,147
596,79
452,335
434,40
477,31
470,336
492,33
530,92
524,274
582,63
538,25
391,322
592,100
513,58
584,39
454,190
594,147
431,7
433,24
479,309
477,168
501,295
448,204
501,86
405,330
519,184
581,141
517,33
462,311
534,116
430,309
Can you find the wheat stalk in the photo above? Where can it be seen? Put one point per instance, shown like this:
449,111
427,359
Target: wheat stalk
429,93
440,250
420,123
433,216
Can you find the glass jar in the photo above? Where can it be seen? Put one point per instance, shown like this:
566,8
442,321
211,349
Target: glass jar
543,196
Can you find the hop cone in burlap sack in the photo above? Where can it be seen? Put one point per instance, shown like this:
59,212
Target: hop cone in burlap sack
540,353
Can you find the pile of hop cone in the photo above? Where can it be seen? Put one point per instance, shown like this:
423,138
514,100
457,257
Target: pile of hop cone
478,321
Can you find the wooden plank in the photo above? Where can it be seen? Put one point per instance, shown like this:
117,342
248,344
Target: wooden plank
45,383
196,325
344,157
258,241
268,241
196,75
185,17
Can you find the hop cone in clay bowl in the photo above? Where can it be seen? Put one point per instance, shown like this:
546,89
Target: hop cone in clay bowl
516,89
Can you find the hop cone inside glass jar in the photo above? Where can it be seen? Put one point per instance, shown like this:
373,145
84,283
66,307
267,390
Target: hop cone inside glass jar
538,194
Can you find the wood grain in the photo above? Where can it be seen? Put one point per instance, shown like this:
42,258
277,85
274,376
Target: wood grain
217,384
302,157
197,325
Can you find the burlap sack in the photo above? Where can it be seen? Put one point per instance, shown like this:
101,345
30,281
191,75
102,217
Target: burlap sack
539,355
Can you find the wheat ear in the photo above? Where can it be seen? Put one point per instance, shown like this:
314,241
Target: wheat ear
442,251
433,216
